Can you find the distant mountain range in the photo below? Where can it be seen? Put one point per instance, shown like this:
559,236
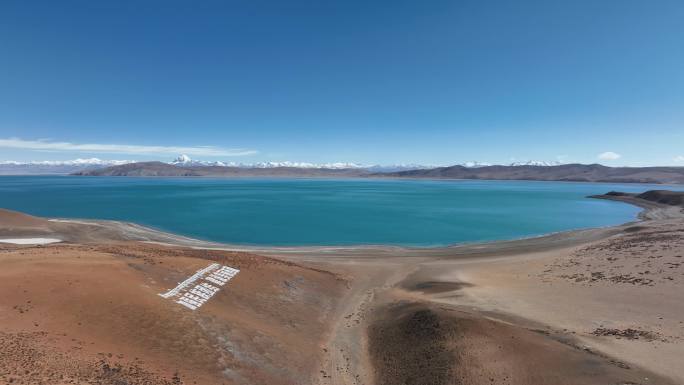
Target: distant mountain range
519,171
51,167
186,161
185,166
563,172
91,164
174,170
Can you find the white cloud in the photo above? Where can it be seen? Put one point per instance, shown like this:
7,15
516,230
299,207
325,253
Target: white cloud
679,159
47,145
609,155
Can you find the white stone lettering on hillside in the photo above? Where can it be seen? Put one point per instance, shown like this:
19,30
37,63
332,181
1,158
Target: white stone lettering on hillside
201,286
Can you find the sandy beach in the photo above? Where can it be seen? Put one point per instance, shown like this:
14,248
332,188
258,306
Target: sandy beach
597,306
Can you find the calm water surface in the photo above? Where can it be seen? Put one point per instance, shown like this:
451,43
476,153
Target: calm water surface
324,212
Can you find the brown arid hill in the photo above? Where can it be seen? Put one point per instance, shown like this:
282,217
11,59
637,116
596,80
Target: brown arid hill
77,314
16,220
87,311
566,172
647,199
672,198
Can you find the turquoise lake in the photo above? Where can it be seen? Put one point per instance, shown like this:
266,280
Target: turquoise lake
324,212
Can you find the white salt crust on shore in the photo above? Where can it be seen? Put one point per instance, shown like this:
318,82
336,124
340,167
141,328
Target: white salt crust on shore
30,241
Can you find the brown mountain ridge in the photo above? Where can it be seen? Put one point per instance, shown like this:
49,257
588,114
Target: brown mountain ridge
566,172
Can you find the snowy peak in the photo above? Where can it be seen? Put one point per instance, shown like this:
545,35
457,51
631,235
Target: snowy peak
78,165
475,164
338,165
182,159
186,161
73,162
536,163
56,167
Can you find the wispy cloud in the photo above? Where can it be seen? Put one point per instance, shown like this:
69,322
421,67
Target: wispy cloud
47,145
609,155
679,159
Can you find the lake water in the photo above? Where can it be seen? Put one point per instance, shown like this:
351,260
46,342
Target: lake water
324,212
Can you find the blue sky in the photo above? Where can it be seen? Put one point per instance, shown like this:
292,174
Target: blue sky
436,82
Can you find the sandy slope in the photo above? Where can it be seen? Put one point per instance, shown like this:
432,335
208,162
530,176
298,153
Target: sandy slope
621,296
97,307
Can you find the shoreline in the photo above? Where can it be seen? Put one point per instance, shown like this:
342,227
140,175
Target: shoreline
540,299
131,231
126,231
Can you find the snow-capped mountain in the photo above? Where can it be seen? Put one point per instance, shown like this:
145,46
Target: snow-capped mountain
186,161
396,167
47,167
78,165
475,164
74,162
182,159
338,165
536,163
